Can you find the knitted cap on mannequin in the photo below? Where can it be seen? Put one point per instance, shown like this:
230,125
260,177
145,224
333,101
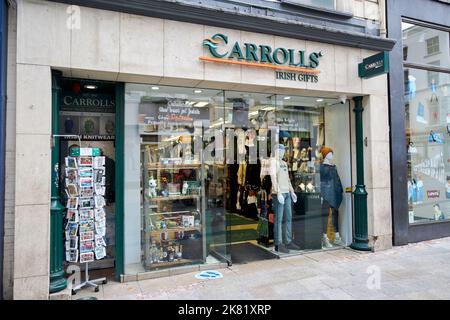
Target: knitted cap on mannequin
324,151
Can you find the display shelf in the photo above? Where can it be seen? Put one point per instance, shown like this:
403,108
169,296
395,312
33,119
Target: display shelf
160,166
169,198
199,228
171,207
170,212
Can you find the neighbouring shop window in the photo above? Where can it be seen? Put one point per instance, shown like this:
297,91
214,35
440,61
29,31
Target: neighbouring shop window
199,172
427,105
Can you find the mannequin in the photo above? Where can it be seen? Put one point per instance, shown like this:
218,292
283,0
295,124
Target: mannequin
282,197
331,189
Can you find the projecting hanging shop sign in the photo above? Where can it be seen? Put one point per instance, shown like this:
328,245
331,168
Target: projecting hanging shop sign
374,65
289,64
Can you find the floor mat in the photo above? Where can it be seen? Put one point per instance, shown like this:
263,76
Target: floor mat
234,219
248,252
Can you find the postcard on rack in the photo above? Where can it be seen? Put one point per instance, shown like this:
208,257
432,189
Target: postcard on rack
99,201
71,230
86,246
72,203
85,172
86,203
86,192
72,215
100,230
72,190
99,162
85,161
86,214
99,189
101,223
86,182
100,213
87,236
100,241
86,226
100,252
72,243
71,163
71,176
98,175
86,257
72,256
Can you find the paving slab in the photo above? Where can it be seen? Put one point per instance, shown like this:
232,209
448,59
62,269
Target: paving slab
415,271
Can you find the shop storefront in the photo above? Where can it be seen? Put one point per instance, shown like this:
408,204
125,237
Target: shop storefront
419,99
216,147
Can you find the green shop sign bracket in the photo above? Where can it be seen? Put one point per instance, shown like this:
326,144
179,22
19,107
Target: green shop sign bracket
374,65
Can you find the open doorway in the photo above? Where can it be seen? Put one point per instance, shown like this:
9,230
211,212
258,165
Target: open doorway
87,120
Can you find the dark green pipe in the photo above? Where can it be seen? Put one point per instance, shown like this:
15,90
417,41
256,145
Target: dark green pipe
360,240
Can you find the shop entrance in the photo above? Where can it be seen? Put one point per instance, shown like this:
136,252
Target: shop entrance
297,134
87,122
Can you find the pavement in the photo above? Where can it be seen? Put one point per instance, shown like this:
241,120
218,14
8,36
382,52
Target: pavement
415,271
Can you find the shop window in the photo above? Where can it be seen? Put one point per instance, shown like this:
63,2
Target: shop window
428,147
200,168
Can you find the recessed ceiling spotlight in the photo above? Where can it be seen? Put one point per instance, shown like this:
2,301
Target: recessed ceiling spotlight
201,104
287,98
91,86
198,91
155,88
319,100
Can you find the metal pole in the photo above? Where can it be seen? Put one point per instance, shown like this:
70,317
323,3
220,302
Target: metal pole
57,280
360,240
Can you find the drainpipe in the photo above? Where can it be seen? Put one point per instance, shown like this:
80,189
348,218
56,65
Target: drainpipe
57,279
360,240
3,66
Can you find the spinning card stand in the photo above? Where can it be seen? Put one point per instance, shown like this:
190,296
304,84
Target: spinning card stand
93,245
89,283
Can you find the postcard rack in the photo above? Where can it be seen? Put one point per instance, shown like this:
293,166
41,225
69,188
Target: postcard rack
86,218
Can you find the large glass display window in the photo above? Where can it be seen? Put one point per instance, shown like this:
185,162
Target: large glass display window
427,107
226,176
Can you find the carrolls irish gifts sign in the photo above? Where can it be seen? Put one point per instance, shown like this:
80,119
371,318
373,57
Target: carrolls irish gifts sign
374,65
288,63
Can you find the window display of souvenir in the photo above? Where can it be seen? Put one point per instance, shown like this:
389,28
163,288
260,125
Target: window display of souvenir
172,208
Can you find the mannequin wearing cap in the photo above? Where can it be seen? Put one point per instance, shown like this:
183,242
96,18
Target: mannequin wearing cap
282,197
331,190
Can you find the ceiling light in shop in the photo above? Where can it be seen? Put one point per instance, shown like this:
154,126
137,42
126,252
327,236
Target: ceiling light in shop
319,100
201,104
198,91
155,88
91,86
287,98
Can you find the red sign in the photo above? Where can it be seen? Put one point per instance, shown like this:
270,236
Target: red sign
433,193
